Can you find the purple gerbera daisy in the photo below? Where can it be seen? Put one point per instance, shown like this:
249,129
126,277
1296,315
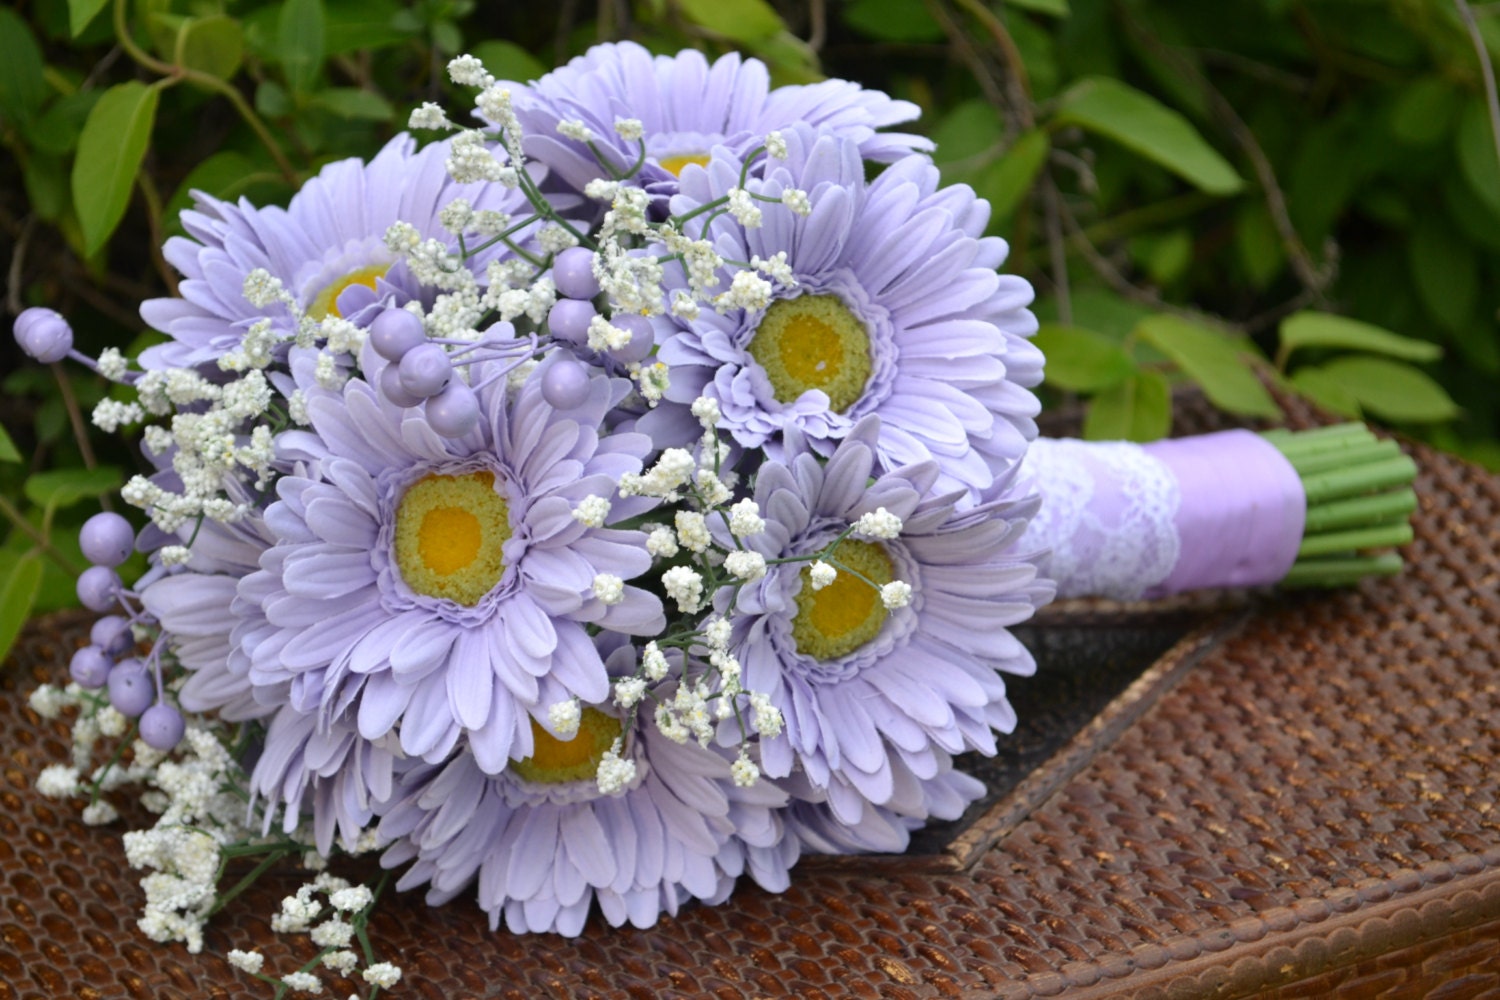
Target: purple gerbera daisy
205,622
897,312
838,820
441,586
546,841
874,690
326,247
687,107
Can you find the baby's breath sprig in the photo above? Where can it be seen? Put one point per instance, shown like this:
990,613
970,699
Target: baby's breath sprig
347,924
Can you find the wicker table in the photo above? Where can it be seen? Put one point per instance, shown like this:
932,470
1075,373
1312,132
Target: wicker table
1297,800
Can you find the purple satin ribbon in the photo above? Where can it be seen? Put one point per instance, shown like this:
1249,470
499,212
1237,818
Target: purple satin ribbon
1242,514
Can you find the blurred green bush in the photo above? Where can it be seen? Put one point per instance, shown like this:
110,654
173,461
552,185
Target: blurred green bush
1304,190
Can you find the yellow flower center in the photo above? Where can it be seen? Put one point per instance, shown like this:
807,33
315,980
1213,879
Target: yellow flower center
848,613
327,301
674,165
813,342
449,533
554,761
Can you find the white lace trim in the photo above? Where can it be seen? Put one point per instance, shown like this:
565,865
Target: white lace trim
1108,515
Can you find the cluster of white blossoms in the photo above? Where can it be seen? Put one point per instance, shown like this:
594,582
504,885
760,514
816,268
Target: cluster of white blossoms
336,924
199,792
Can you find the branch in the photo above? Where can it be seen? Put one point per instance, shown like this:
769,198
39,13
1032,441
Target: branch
1486,67
1015,66
959,40
209,82
1314,276
817,32
1056,252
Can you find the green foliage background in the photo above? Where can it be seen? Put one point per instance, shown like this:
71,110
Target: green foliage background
1305,191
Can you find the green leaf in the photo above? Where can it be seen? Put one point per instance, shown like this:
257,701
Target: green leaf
1144,125
1081,360
1445,270
508,61
362,25
18,591
1257,243
1137,409
1099,310
1165,256
81,13
162,28
1005,182
65,487
110,150
1325,390
1480,346
299,42
790,60
1392,390
57,130
356,104
1424,112
742,20
46,186
214,45
22,85
972,129
1476,153
1211,359
1315,329
1037,48
8,450
893,21
446,38
272,100
1052,8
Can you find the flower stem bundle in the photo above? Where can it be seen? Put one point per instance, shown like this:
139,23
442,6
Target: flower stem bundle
1359,500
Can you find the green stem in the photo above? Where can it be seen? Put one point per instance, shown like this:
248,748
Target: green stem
248,880
1378,537
38,538
114,759
1341,572
1300,442
1360,511
1353,456
175,73
1342,483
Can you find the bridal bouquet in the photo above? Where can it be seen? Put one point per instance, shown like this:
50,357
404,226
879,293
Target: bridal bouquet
591,507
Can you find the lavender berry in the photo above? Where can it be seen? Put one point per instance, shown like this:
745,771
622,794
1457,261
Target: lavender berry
391,388
162,727
569,320
565,384
97,587
573,273
90,667
112,634
425,370
131,690
642,337
394,332
453,412
107,539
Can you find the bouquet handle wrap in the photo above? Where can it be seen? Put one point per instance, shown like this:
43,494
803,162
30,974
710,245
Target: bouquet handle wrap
1132,521
1241,513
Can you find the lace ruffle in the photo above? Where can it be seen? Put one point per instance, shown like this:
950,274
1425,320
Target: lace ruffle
1108,516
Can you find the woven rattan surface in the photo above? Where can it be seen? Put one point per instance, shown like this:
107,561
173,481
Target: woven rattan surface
1298,801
